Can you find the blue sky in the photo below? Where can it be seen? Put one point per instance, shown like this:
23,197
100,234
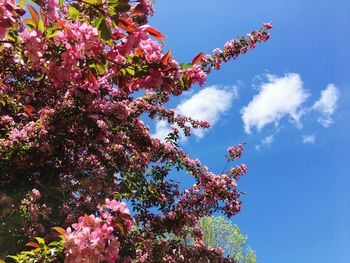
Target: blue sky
293,95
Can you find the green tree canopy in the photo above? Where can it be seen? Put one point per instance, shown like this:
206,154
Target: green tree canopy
221,232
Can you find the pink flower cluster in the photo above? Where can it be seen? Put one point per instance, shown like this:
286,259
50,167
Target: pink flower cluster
32,210
238,170
52,11
148,6
81,42
8,14
235,47
196,75
235,152
34,46
93,238
151,50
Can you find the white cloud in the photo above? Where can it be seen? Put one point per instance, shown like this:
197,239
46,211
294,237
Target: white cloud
162,129
267,140
207,105
278,97
327,104
309,139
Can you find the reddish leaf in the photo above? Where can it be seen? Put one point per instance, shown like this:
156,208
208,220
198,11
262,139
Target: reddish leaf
33,244
138,52
118,35
60,230
138,10
125,216
34,14
61,23
126,25
29,21
155,33
42,13
29,110
165,58
93,78
122,229
198,58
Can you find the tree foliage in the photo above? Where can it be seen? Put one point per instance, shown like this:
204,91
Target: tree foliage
76,78
221,232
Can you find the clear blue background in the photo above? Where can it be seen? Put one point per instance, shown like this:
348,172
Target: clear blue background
297,206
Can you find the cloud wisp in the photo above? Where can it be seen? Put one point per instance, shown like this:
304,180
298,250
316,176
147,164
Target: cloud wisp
209,104
327,104
309,139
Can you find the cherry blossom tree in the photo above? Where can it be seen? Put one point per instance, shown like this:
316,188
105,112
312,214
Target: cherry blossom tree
76,77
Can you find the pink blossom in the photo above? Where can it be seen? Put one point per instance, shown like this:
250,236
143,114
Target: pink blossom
52,11
151,50
268,25
7,16
35,194
116,206
235,152
196,74
34,46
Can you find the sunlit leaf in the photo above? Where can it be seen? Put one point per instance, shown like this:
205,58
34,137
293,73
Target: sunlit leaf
139,10
40,240
93,2
73,12
41,26
33,244
100,69
42,13
165,58
198,58
155,33
29,22
29,110
59,230
34,14
21,5
131,71
126,25
122,229
118,35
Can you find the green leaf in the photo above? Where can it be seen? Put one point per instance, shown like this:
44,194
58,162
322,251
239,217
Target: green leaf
21,3
73,12
61,3
93,2
122,6
131,71
41,26
41,241
98,21
100,68
14,258
105,31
